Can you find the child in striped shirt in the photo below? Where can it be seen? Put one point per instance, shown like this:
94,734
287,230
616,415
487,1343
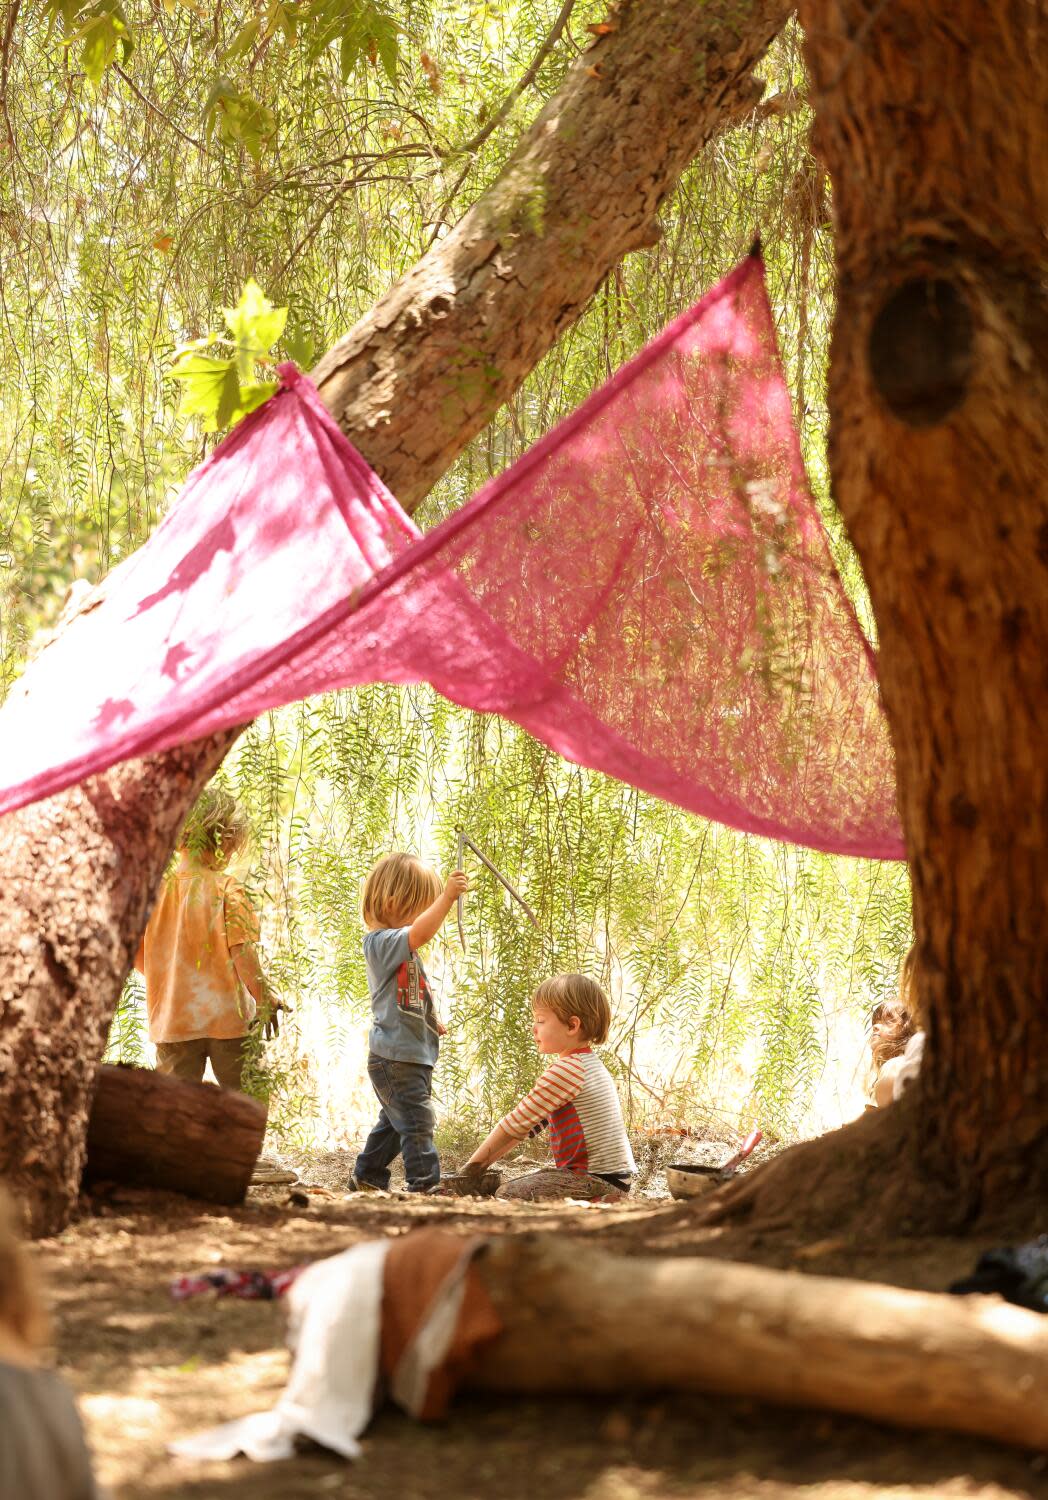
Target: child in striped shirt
575,1095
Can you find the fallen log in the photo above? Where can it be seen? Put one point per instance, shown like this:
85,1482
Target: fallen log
151,1130
576,1319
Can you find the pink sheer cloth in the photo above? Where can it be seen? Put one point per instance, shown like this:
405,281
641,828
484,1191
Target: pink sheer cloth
648,590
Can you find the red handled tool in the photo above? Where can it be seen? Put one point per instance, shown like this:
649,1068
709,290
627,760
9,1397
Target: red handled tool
748,1145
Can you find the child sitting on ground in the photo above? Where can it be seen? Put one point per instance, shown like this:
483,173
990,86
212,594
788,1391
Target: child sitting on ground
43,1455
202,971
575,1096
896,1042
405,904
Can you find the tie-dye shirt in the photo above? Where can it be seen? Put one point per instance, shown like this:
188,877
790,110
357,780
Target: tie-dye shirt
192,986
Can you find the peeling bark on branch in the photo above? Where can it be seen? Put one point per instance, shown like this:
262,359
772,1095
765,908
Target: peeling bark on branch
455,337
410,385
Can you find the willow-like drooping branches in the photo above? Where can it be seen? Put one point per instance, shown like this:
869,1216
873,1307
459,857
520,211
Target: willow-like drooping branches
133,209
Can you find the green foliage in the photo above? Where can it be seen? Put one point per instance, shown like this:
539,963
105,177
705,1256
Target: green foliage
239,118
357,32
221,391
126,1035
363,31
256,325
317,150
101,30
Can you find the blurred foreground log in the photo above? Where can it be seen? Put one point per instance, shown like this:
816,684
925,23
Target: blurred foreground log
577,1319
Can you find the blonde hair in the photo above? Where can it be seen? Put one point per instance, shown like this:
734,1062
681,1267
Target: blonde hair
568,995
21,1306
397,890
216,826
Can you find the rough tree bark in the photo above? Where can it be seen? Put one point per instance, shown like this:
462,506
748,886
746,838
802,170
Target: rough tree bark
933,121
931,117
79,875
148,1129
430,364
418,377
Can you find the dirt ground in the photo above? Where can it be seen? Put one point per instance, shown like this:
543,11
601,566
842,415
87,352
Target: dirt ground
147,1369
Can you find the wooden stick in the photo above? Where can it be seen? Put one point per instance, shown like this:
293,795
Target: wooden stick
577,1319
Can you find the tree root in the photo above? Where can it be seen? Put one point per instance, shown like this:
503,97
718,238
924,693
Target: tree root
865,1176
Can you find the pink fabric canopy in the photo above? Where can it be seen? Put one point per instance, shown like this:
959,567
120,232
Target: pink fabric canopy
648,590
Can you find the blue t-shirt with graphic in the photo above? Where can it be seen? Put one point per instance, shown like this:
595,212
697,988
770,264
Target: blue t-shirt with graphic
405,1019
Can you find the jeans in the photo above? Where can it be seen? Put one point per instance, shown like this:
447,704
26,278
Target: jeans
404,1124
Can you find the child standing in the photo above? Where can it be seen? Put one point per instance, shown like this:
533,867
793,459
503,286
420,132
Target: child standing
204,981
576,1095
404,906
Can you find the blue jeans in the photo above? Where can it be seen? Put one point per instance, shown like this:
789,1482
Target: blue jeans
404,1124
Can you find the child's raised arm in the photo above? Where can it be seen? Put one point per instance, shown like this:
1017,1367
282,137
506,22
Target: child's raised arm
428,923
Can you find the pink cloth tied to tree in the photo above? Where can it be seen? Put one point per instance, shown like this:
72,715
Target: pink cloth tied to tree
649,591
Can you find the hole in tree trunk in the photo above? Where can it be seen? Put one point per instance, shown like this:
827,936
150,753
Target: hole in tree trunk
921,350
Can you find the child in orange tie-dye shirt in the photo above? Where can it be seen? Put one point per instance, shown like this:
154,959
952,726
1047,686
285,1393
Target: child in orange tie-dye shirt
204,982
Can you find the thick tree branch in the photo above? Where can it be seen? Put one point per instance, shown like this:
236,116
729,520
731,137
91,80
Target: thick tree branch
433,361
578,1319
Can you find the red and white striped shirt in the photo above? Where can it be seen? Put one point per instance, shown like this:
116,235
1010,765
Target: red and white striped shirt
577,1096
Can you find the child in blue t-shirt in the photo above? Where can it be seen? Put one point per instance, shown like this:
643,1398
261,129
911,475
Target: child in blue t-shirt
404,906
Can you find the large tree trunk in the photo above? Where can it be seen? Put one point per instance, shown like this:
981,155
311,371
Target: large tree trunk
432,362
418,377
931,117
79,873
